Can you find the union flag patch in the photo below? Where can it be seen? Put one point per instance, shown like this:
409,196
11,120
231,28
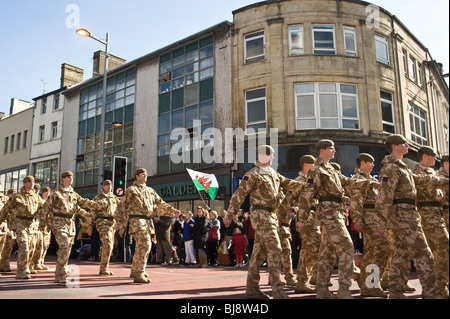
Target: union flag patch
385,179
310,180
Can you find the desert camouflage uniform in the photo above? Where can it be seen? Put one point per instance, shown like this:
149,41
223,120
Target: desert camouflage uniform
3,226
445,200
397,196
23,207
137,206
311,238
60,209
376,247
264,185
327,184
429,203
104,221
43,241
284,232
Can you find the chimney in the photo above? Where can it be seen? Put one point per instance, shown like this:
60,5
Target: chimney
70,75
99,63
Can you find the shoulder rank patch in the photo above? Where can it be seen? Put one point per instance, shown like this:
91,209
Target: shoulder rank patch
246,178
310,180
385,179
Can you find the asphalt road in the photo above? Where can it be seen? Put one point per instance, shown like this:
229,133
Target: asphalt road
168,282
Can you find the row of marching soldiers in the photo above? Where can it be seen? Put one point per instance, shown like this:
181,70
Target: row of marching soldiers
29,217
401,217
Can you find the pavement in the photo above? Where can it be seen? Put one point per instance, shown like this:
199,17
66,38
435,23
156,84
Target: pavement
168,282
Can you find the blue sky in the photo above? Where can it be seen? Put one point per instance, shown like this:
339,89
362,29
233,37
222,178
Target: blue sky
35,38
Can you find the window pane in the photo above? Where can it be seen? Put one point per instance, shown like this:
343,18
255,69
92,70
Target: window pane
305,106
256,111
386,110
177,119
306,124
349,106
257,127
346,88
164,123
254,47
328,105
329,123
207,112
350,124
191,115
304,88
327,87
206,52
255,94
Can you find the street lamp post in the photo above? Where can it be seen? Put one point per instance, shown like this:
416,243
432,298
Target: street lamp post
85,33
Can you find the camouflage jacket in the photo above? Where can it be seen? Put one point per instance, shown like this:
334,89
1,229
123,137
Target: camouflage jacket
324,181
445,199
141,200
21,210
104,218
363,215
398,182
65,203
3,224
264,185
427,194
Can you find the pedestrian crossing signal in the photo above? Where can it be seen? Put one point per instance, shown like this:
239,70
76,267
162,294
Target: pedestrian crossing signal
119,175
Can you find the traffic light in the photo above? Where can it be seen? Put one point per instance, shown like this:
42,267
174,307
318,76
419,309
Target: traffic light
119,175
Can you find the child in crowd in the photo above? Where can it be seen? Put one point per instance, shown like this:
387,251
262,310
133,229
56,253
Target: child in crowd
240,245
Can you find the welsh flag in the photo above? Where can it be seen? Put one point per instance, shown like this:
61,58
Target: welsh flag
205,183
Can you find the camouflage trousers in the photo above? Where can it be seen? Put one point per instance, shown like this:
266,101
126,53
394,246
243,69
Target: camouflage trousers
335,241
24,242
446,219
107,239
307,262
286,258
376,251
142,250
266,246
437,238
36,256
64,238
410,242
5,254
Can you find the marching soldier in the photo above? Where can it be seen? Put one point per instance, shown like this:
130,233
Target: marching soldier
3,229
327,184
60,209
23,207
42,245
104,221
398,197
429,202
138,206
310,234
10,237
376,248
264,185
443,172
284,233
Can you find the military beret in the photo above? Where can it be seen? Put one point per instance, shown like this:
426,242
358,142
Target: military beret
45,189
396,139
265,150
140,171
365,157
427,150
445,158
336,166
107,182
37,186
66,174
11,191
28,179
324,144
307,159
